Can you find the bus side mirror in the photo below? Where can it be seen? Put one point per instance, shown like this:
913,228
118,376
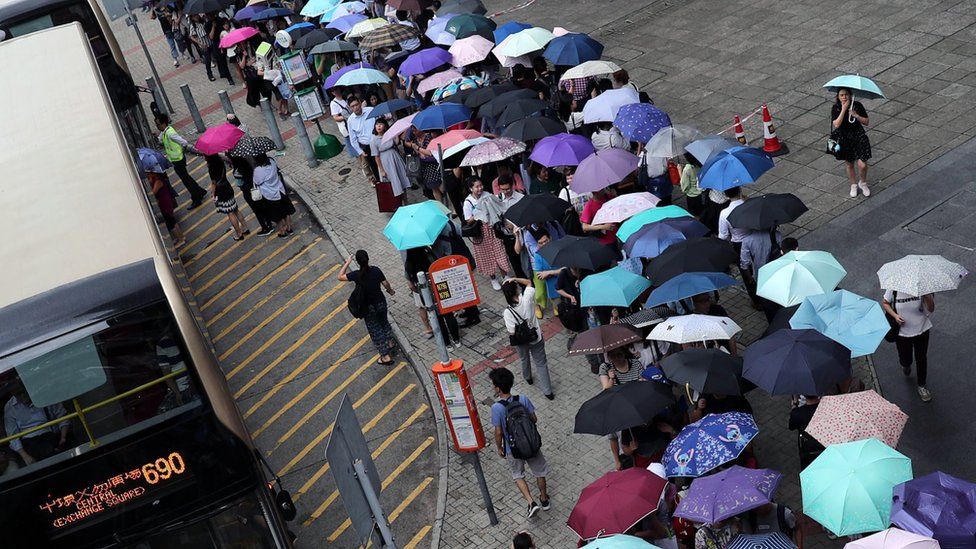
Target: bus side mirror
286,505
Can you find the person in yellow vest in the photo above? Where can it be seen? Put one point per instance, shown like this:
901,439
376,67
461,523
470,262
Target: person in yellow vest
175,147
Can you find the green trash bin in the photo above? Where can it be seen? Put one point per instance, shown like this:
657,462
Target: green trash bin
327,146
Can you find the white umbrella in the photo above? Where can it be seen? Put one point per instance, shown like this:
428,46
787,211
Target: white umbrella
509,61
693,328
919,275
590,68
604,107
525,42
670,142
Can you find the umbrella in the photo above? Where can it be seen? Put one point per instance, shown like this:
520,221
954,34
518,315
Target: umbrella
640,121
342,10
496,106
671,141
219,138
333,46
693,328
856,416
454,142
620,541
797,362
470,24
441,117
366,26
315,8
602,169
710,442
462,6
424,61
646,317
797,275
919,275
397,128
848,487
505,29
525,42
707,147
589,69
772,540
604,107
333,78
711,255
583,252
415,225
859,85
562,149
252,146
208,6
151,160
523,108
688,285
634,224
470,50
603,338
478,97
893,538
853,321
298,26
615,287
243,14
237,36
781,321
536,209
438,79
615,502
572,49
271,13
346,22
623,207
766,212
299,32
937,505
456,86
652,239
389,107
733,168
384,37
529,129
728,493
362,76
494,150
622,407
437,31
508,60
711,371
316,37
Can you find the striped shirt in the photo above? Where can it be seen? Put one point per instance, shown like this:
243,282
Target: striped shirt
633,374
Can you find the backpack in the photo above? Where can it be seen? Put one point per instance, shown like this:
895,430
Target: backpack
523,333
523,438
358,306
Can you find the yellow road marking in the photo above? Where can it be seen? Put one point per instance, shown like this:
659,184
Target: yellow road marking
217,259
386,482
199,255
260,283
243,277
237,262
207,233
406,502
198,222
415,541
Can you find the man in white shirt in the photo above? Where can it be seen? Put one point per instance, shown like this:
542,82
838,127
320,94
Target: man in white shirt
360,134
725,229
20,414
508,197
607,136
340,111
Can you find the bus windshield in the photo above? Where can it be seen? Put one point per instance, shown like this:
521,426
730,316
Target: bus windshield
94,385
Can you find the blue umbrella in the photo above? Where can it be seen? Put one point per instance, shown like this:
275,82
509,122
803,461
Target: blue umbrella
315,8
271,13
248,12
640,121
151,160
860,85
713,440
616,287
302,25
688,285
855,322
512,27
733,168
441,117
346,22
333,78
389,107
652,239
572,49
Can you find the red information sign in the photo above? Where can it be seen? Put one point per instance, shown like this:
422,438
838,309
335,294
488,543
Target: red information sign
452,284
460,408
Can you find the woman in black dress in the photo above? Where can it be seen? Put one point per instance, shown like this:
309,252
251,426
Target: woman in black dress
848,119
223,195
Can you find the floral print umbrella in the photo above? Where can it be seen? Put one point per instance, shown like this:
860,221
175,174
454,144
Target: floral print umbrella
857,416
713,440
493,150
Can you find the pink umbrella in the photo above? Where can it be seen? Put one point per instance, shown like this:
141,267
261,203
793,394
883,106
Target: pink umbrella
237,36
437,80
219,139
624,207
452,138
857,416
397,128
470,50
602,169
893,538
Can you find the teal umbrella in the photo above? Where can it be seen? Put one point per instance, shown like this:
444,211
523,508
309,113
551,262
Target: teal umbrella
614,287
415,225
860,85
797,275
620,541
855,322
469,24
848,487
647,217
362,76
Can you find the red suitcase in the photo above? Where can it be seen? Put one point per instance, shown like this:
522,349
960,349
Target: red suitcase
385,200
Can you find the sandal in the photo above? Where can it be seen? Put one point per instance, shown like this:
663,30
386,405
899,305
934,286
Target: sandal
239,237
387,363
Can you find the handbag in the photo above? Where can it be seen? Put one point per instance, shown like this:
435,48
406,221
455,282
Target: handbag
523,333
893,326
473,230
413,166
256,193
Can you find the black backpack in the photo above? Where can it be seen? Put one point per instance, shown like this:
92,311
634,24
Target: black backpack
524,440
523,333
358,306
893,327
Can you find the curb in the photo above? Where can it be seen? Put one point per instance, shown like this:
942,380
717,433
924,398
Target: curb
422,374
874,375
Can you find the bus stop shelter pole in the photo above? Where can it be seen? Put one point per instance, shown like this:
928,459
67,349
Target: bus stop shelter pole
302,135
435,326
374,505
131,19
483,484
191,104
272,122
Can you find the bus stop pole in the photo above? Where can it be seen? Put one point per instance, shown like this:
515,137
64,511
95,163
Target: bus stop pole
191,105
374,505
131,19
225,102
272,122
302,136
483,484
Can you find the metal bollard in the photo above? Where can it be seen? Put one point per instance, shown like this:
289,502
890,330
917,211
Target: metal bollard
157,97
303,138
225,101
272,120
191,105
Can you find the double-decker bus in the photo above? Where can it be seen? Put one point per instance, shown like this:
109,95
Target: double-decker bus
22,17
118,428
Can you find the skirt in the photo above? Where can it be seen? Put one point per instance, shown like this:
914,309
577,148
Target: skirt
278,209
854,146
226,206
489,253
429,177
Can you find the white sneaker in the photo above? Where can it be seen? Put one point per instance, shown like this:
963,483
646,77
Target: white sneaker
924,394
176,62
853,191
495,285
864,188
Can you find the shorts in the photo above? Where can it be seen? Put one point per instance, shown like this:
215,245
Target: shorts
538,465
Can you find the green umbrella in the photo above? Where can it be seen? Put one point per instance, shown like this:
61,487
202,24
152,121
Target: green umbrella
798,275
848,487
415,225
469,24
647,217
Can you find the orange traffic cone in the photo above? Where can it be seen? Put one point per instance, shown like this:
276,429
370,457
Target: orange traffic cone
771,145
740,134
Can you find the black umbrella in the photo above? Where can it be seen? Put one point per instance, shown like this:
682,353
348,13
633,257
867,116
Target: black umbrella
531,129
299,32
523,108
797,362
496,106
767,211
707,371
331,46
576,251
695,255
206,6
252,146
476,97
316,37
781,320
537,209
622,407
647,317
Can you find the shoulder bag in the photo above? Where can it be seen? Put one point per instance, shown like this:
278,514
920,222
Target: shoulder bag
893,326
473,229
524,334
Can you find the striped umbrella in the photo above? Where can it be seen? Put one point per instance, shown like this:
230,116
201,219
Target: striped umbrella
386,36
774,540
494,150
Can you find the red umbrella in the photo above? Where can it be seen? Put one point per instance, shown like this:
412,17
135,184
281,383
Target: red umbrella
219,139
615,502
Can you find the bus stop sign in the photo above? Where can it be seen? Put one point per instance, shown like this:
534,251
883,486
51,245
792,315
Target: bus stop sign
452,284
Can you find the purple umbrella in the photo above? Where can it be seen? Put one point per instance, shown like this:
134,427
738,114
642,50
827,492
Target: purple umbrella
249,12
939,506
602,169
735,490
330,82
562,149
346,22
425,61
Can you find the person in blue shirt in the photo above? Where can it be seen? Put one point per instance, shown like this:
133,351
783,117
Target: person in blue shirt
545,275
